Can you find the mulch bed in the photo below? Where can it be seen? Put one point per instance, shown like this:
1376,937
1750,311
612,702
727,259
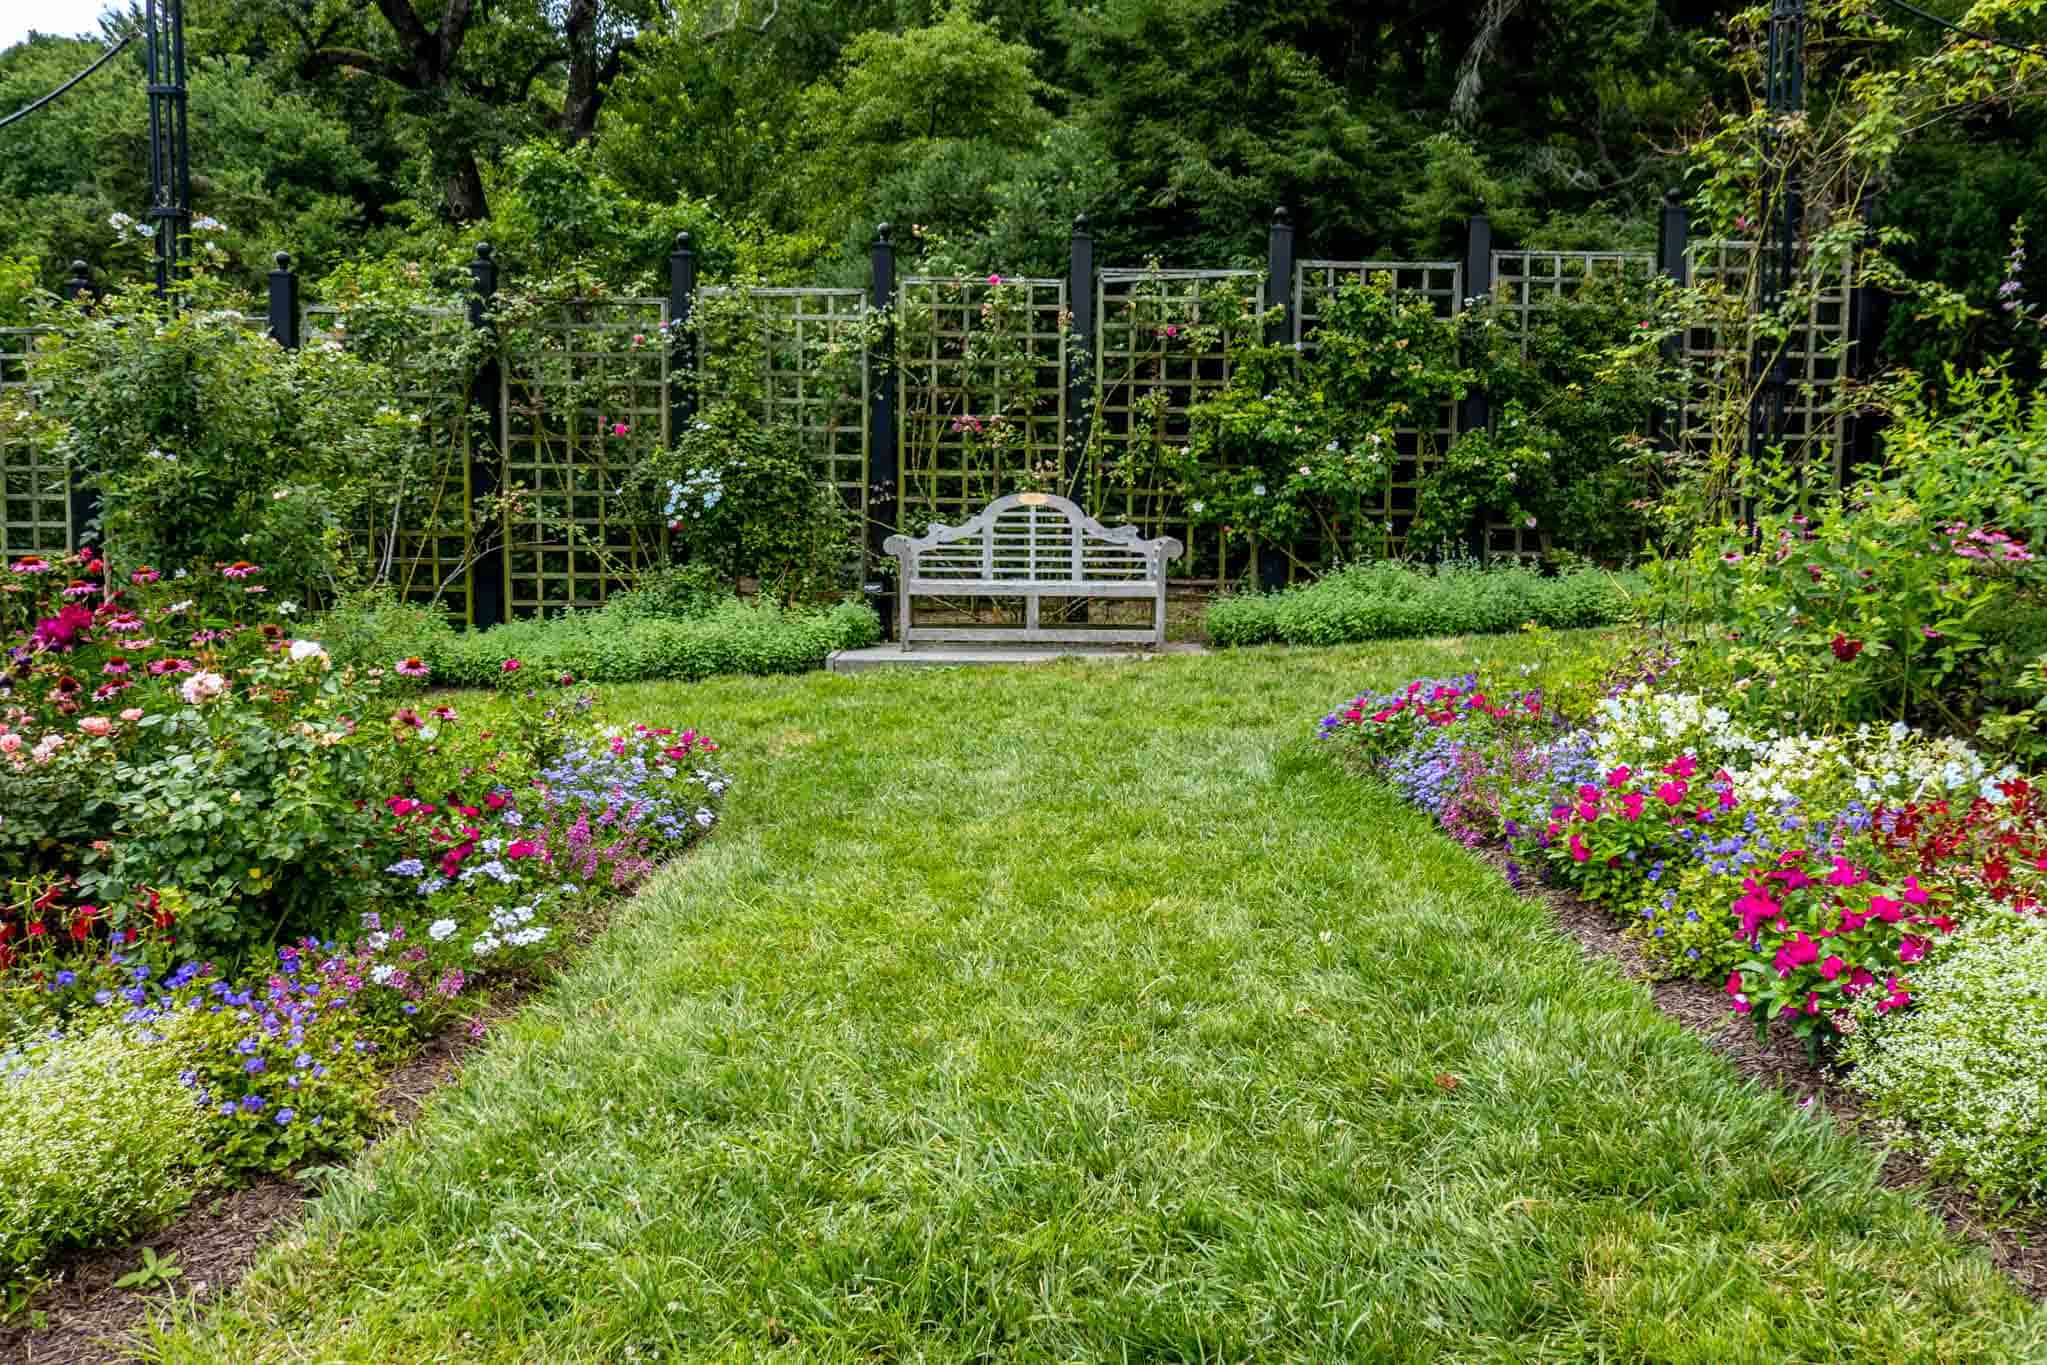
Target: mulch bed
2017,1245
215,1240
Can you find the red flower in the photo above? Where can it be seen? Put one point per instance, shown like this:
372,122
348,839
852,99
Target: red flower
1846,649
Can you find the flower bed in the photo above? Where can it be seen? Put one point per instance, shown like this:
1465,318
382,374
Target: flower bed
1875,891
238,883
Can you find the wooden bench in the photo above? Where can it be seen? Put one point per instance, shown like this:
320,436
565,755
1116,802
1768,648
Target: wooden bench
1033,546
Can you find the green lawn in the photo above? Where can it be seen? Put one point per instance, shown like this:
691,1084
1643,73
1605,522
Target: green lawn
1087,1013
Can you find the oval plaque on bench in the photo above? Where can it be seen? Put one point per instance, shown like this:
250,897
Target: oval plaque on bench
1031,499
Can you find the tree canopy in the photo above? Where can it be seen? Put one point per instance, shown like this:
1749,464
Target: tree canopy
780,131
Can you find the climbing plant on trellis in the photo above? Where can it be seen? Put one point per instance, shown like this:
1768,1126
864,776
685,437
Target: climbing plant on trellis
1721,354
798,356
584,393
981,388
422,539
1381,527
1164,341
1526,285
35,486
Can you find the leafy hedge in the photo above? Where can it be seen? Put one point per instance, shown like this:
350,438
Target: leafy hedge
613,645
1395,601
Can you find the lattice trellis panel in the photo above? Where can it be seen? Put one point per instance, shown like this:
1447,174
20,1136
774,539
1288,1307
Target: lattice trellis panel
1525,284
1814,355
423,542
35,486
1381,527
1158,353
572,546
981,374
813,377
1316,282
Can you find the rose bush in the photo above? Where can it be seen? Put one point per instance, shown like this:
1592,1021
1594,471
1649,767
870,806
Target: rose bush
264,878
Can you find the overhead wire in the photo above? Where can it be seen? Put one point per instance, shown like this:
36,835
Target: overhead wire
105,57
1954,27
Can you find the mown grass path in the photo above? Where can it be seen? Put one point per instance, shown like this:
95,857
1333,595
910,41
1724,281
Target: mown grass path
1082,1013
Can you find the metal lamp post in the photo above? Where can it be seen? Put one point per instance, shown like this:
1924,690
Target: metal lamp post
170,162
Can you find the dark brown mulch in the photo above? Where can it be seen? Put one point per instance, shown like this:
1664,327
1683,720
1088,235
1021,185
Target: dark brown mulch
215,1240
2018,1246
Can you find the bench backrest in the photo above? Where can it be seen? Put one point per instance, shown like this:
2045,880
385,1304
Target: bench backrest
1033,538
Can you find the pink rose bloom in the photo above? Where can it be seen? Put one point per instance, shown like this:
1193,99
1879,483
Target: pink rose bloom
99,727
132,714
10,744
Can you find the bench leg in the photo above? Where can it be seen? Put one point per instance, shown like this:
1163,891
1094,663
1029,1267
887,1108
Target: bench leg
1030,616
1158,639
902,614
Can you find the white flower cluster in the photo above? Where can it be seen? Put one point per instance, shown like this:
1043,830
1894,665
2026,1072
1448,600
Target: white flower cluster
1876,764
511,926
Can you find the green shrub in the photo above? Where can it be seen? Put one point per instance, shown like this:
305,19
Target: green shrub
96,1135
1395,601
1963,1064
745,499
374,629
1917,594
621,646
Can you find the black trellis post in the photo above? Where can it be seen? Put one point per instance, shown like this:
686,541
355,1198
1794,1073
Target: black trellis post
487,572
882,453
83,497
1270,560
1475,412
682,348
284,303
78,285
170,162
1868,311
1673,237
1080,369
1783,222
1673,245
1279,276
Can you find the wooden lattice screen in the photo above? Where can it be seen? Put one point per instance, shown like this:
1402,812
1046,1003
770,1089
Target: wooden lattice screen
1525,285
1163,343
570,544
813,377
35,486
1813,356
981,384
1382,527
423,540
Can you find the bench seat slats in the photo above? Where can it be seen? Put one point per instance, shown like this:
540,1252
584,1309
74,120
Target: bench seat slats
1032,546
